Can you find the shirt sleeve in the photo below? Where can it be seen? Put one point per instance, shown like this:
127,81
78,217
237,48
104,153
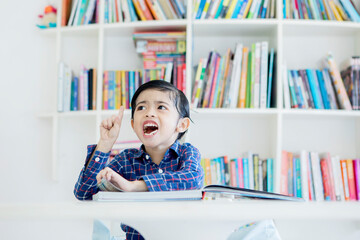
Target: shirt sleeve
86,186
189,176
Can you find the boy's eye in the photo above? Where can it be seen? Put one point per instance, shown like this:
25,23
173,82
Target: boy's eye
162,107
140,108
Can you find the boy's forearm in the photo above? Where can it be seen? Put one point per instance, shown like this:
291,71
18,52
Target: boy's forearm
102,147
139,186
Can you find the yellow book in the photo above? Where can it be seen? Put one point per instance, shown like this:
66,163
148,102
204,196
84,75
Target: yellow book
341,11
123,89
335,11
207,171
138,10
117,89
246,9
243,78
206,8
231,9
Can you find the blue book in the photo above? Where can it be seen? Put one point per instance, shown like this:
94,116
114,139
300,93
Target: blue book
246,173
133,15
322,10
308,10
294,177
264,9
219,9
237,9
323,91
242,10
298,178
131,84
200,10
270,175
301,15
111,99
349,8
284,9
294,102
315,91
299,96
74,94
271,66
316,10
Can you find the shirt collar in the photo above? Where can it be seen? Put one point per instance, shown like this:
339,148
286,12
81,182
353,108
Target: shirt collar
175,148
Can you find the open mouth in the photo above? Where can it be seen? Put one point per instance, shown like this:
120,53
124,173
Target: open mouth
150,128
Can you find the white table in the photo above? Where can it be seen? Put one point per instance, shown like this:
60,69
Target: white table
183,219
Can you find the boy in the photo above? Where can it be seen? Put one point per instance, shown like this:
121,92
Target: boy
160,116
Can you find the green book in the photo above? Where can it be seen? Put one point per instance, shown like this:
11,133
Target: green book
256,172
253,47
248,82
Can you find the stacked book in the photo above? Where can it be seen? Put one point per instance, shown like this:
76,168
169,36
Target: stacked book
119,87
323,89
234,9
164,56
79,12
319,177
243,79
250,172
339,10
76,92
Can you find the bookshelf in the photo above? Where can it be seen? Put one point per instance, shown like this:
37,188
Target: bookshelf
299,43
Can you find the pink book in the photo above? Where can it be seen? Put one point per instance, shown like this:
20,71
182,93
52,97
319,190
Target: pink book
106,91
284,173
82,89
213,84
184,77
351,179
356,163
241,172
233,173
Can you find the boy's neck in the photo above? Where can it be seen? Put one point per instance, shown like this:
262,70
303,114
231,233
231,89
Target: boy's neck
157,154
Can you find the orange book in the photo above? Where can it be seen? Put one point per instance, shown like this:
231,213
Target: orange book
152,9
138,10
345,179
226,72
242,90
351,179
284,173
208,171
145,10
335,11
65,11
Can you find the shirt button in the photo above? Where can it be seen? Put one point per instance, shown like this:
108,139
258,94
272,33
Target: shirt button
160,170
147,157
97,159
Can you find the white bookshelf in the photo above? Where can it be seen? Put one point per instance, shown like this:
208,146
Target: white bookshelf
216,132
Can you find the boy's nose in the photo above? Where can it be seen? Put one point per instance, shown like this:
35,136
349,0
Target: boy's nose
150,113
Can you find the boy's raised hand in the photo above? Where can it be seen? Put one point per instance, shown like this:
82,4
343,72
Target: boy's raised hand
109,131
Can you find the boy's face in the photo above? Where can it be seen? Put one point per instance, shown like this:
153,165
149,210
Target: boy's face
156,121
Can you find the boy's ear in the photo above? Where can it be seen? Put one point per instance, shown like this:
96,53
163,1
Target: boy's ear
183,124
132,123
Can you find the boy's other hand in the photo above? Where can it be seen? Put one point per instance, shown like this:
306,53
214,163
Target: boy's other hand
109,131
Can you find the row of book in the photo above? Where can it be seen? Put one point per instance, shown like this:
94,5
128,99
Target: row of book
234,9
76,92
320,177
250,172
79,12
317,89
340,10
241,80
119,87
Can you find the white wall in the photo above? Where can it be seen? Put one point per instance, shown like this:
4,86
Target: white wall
25,169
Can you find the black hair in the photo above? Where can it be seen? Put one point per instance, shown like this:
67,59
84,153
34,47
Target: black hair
178,97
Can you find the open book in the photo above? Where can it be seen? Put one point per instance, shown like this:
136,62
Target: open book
109,192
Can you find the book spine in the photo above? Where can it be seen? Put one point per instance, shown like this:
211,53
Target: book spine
246,173
304,176
318,184
270,175
356,163
345,179
264,73
75,91
105,91
284,175
325,179
256,172
351,179
240,172
233,175
298,186
339,188
270,80
242,94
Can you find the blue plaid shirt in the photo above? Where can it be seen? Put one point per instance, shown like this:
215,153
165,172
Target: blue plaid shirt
180,169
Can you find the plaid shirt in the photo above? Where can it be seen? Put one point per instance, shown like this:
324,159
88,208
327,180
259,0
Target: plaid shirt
180,169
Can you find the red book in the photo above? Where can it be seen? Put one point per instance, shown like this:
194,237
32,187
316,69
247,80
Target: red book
356,163
65,11
241,172
184,78
325,178
179,77
351,179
